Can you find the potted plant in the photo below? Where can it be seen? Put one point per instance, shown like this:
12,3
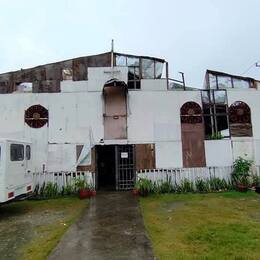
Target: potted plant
136,189
82,188
241,169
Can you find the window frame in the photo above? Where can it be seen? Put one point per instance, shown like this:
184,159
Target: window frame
12,159
140,66
213,114
28,158
232,79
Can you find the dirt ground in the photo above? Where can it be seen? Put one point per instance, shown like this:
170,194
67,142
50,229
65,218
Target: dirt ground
22,224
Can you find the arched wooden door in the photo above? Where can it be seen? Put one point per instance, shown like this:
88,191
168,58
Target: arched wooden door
192,135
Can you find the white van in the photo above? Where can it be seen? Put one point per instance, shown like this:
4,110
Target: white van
15,169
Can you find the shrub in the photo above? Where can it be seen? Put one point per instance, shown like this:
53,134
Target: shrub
51,190
68,190
145,186
165,187
186,186
81,184
202,186
217,184
241,171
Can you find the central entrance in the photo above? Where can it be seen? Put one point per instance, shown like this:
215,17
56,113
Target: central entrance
115,167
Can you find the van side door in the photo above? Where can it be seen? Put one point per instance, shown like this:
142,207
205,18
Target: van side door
15,165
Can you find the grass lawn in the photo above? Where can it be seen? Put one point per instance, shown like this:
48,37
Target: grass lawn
31,229
204,226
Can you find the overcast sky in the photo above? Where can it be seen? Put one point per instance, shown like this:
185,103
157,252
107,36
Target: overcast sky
191,35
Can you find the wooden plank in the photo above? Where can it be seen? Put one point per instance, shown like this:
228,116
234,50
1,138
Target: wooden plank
115,116
240,130
78,151
46,86
79,69
193,148
145,156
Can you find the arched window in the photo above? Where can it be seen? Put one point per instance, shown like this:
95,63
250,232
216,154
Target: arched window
36,116
240,119
191,113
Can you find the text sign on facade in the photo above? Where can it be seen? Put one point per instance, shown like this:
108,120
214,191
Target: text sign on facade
124,155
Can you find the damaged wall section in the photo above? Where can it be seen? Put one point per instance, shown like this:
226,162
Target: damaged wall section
47,78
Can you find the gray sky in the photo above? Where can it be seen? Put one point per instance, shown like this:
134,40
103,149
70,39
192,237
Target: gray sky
191,35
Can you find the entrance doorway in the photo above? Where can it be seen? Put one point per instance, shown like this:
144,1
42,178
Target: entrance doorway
115,167
106,167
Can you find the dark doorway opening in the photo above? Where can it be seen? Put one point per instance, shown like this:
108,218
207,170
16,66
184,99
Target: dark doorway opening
106,166
115,167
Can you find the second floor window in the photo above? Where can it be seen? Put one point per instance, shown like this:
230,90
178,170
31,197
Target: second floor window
215,113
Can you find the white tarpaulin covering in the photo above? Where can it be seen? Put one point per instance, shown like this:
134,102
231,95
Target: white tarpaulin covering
85,156
61,157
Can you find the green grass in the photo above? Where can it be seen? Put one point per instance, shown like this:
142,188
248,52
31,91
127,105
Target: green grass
204,226
49,221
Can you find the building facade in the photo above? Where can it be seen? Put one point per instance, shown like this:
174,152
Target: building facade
113,114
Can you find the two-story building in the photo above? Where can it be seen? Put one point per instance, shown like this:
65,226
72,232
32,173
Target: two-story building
114,113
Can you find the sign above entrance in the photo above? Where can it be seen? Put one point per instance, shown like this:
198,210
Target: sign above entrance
124,155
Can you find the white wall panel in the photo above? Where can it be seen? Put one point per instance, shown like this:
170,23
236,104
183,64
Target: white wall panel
218,153
243,147
168,154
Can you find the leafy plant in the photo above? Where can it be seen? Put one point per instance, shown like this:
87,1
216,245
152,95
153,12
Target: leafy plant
69,189
145,186
217,184
165,187
81,184
216,136
241,169
186,186
51,190
202,186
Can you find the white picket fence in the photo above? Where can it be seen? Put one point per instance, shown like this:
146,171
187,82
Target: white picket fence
177,175
62,179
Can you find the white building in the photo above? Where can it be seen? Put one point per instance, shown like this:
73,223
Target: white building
84,114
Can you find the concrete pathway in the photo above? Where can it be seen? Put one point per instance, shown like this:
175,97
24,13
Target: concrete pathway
111,228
